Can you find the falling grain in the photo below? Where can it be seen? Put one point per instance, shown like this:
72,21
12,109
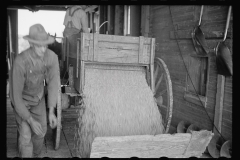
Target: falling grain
118,102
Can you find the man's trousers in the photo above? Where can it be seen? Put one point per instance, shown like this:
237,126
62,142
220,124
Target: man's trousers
30,144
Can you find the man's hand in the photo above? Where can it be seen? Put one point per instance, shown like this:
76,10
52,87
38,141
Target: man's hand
52,118
36,126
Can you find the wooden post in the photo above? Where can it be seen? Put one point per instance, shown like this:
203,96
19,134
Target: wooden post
119,23
91,21
219,104
95,46
109,19
63,48
67,41
152,55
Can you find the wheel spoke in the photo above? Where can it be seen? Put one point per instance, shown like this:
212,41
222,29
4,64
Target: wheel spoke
156,72
158,83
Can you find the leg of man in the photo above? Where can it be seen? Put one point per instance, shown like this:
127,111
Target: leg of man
25,146
39,114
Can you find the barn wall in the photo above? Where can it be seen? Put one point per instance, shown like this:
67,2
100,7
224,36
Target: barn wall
185,18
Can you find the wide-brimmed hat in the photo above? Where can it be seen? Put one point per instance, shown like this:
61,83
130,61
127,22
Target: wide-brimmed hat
38,35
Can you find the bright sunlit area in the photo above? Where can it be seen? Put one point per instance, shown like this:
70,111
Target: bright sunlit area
52,21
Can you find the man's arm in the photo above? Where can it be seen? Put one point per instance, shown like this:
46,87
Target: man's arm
52,81
18,81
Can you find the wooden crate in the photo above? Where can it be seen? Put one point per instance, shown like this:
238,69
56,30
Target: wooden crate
112,50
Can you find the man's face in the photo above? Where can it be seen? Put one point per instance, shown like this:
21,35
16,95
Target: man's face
40,50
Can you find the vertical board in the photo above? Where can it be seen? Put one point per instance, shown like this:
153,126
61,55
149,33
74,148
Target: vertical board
193,69
119,16
219,104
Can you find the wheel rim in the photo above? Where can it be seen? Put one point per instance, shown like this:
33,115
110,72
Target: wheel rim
163,91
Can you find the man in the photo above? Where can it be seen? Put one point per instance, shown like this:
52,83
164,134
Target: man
30,68
75,20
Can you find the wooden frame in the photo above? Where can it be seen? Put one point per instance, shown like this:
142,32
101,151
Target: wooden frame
118,50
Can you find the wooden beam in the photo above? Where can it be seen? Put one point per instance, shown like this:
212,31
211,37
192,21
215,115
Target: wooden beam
219,104
151,146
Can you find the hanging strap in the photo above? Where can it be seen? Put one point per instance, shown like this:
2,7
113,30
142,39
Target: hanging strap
71,15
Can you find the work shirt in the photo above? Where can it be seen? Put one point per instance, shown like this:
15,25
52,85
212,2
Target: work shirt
27,81
74,17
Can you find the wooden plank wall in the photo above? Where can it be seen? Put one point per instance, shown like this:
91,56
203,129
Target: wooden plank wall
213,26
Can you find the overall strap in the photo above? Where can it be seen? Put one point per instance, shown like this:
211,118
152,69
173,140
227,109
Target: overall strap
71,15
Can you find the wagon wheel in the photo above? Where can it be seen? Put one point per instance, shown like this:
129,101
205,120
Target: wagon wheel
58,111
163,91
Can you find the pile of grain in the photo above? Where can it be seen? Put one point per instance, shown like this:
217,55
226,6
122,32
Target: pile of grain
118,103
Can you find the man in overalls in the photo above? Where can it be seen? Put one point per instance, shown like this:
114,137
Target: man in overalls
75,21
30,68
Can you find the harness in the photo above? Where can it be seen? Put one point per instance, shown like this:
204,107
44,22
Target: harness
71,15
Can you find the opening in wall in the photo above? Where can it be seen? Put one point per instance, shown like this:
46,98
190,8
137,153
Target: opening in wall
196,82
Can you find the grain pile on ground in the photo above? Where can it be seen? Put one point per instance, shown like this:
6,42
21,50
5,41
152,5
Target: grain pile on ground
117,103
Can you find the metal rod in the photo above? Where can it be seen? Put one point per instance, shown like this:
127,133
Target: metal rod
228,20
120,64
201,16
10,41
77,58
101,26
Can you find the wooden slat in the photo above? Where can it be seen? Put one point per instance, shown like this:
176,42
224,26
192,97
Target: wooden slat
119,55
115,39
219,104
95,47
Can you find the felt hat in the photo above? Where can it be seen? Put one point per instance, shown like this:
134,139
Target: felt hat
38,35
